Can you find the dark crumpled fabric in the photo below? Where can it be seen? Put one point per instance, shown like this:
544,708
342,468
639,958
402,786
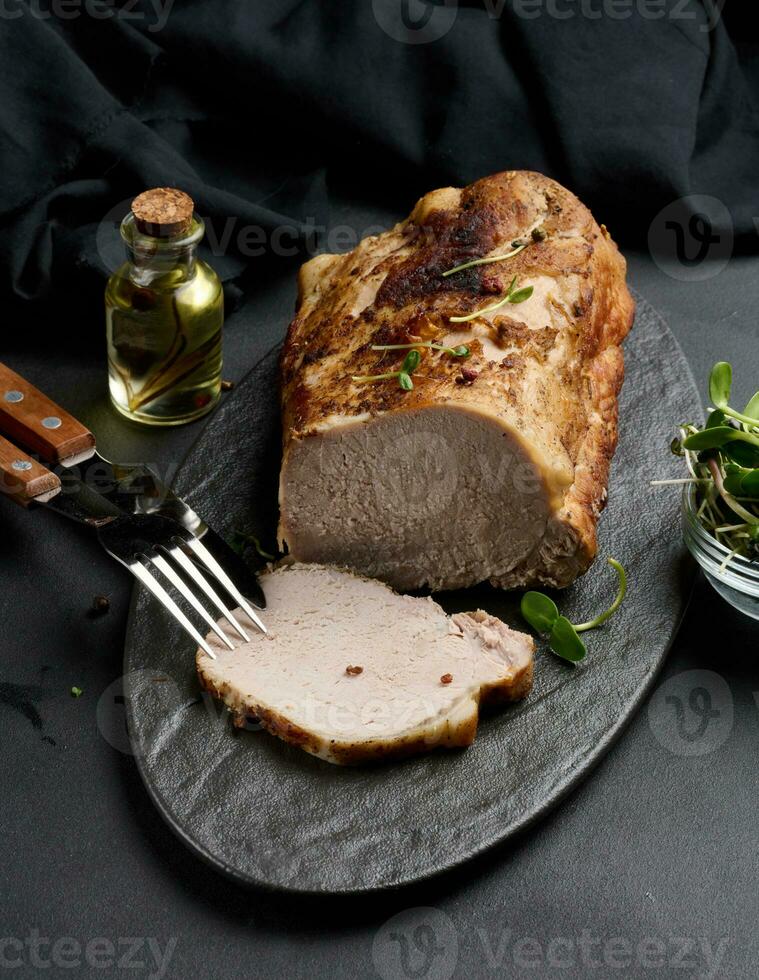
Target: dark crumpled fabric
268,112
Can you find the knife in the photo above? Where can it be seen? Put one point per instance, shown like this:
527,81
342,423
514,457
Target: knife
30,419
145,545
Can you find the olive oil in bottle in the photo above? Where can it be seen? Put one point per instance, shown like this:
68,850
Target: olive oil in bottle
164,315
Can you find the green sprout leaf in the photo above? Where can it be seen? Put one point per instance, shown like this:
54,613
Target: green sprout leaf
752,409
720,384
512,296
487,261
76,692
539,611
723,464
461,351
521,294
749,484
621,593
565,642
412,362
732,483
743,453
711,438
716,419
563,638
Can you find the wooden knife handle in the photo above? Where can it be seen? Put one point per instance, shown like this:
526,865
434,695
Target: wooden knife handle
32,420
22,479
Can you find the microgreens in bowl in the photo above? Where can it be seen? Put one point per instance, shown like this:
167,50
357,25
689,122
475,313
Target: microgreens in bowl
543,615
723,463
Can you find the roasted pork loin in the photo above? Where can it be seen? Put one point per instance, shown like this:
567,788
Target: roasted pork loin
353,672
493,467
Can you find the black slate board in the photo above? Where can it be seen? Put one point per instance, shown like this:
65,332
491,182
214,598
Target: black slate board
268,814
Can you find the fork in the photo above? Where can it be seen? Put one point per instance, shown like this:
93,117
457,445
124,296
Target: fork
142,540
143,543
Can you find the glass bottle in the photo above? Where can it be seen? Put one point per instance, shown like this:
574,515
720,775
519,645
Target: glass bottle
164,315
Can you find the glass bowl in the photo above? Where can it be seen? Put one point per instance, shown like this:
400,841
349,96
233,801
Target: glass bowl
738,583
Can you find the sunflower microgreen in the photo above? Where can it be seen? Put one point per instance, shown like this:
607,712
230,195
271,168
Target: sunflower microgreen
485,261
723,470
512,296
461,351
410,364
563,637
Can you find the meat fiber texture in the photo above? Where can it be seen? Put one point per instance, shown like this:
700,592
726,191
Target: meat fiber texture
353,673
492,468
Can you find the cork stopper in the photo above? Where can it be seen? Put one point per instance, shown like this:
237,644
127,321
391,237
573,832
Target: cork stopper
163,212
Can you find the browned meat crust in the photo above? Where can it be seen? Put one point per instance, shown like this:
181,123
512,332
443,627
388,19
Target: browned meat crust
549,370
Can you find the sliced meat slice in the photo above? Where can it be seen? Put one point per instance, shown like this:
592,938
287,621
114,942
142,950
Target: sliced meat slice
352,672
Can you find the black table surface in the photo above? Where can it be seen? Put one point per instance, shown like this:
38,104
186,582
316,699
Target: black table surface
651,867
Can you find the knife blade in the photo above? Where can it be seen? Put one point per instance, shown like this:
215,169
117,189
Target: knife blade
34,421
137,489
142,544
25,481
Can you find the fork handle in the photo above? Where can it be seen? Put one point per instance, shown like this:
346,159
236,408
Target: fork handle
31,419
22,479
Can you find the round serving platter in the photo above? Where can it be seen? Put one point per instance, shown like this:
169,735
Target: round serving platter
268,814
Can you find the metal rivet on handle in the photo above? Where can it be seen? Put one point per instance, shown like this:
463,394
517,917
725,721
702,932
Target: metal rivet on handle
52,422
22,464
14,396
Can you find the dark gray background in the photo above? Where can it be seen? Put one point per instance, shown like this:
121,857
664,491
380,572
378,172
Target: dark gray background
650,868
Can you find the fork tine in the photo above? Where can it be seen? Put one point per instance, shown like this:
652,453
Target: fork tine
178,555
143,575
183,588
215,568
